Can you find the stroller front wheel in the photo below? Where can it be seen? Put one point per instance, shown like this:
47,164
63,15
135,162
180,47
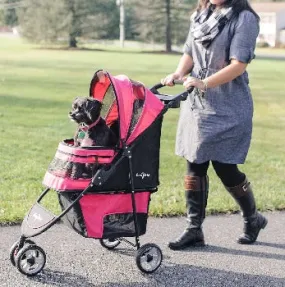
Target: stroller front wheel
110,243
149,258
15,249
30,260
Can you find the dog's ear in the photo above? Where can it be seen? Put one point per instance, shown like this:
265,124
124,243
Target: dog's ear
93,104
93,108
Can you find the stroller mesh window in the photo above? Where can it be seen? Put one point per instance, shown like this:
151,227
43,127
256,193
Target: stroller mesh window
137,110
108,101
139,93
73,170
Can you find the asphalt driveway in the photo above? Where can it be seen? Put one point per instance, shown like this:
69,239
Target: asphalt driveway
76,261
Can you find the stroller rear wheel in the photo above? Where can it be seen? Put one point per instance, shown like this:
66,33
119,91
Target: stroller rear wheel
15,249
30,260
110,243
149,258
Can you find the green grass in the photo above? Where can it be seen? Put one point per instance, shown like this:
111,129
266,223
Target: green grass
36,90
271,51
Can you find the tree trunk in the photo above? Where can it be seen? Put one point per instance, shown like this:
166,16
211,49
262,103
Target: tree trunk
168,27
72,32
121,4
72,42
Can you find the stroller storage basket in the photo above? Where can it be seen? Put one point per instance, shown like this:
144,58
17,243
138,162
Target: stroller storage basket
73,167
106,215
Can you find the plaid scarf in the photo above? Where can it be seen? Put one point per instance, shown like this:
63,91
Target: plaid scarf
208,23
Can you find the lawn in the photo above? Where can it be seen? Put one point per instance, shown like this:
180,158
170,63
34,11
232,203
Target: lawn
271,51
36,90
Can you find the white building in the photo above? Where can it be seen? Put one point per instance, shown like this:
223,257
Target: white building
272,22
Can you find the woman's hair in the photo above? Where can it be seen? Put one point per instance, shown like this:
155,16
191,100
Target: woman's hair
237,5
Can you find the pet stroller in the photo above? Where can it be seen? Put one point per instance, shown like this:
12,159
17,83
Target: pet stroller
110,200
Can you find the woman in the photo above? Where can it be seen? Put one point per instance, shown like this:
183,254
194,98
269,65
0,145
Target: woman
216,119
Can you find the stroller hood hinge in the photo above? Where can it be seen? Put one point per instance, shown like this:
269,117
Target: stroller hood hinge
127,151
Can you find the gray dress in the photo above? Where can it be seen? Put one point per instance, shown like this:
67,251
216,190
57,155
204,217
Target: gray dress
218,126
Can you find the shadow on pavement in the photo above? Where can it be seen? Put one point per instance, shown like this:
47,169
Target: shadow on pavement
63,279
170,275
269,244
187,275
131,252
239,252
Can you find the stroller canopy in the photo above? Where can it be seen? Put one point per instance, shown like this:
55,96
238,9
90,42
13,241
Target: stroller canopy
127,104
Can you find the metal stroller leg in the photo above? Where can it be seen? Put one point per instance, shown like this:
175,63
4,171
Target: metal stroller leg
149,256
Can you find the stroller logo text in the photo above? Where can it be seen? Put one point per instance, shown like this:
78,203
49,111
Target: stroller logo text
143,175
37,216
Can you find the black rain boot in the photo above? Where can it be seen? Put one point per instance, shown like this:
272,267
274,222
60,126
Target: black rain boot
196,193
253,220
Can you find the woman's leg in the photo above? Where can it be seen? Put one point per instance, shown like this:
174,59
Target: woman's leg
238,186
196,194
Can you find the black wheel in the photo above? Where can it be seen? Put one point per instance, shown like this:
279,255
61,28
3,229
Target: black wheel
30,260
110,243
15,249
149,258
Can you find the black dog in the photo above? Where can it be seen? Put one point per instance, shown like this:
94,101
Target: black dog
92,129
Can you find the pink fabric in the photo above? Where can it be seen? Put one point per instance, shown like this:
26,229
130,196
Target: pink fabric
125,98
85,152
96,207
152,108
99,86
89,159
60,183
126,93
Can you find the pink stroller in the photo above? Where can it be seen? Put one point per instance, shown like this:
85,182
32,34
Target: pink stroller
110,202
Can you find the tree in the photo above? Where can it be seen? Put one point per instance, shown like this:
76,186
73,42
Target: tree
43,21
149,20
73,14
8,15
47,21
168,26
163,21
2,18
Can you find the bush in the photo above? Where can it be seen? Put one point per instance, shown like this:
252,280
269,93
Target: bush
262,44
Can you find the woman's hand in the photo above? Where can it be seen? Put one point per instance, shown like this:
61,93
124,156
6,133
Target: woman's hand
194,82
168,80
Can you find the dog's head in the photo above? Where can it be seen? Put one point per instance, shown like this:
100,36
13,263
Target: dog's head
85,110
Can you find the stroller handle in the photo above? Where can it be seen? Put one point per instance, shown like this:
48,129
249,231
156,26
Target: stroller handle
171,101
160,85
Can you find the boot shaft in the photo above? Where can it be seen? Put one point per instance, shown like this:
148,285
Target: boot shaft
196,194
244,197
253,221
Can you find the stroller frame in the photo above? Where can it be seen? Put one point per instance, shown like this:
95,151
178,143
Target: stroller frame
149,252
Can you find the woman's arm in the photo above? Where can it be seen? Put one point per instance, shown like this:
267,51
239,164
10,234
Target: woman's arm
225,75
184,67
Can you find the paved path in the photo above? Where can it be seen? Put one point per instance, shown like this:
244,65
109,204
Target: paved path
74,261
